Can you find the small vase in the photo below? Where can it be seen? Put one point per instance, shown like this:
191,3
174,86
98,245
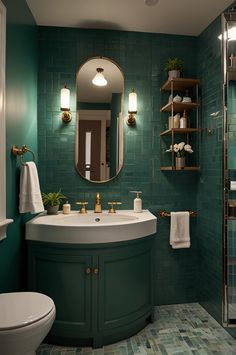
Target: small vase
179,163
174,74
52,209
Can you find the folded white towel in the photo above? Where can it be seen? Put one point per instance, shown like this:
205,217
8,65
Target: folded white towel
30,194
179,230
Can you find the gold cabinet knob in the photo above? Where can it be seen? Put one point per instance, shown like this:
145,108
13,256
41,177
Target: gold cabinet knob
96,270
88,270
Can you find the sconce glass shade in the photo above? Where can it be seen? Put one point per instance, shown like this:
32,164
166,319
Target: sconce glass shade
133,102
99,79
65,99
65,105
131,120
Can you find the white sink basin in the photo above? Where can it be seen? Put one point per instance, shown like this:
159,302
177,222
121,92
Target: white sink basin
91,227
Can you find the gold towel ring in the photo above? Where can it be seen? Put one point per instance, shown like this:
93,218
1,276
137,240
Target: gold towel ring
16,151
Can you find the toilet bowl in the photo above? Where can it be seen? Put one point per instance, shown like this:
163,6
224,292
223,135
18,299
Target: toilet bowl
25,320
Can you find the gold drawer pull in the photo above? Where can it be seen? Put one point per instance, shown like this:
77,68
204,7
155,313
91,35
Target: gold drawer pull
88,270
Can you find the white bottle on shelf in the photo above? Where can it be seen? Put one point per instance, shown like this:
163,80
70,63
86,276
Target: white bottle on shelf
184,120
137,202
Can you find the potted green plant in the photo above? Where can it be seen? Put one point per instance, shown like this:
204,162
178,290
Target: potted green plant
174,66
52,201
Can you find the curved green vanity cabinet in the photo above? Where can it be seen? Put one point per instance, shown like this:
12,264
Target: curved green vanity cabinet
103,292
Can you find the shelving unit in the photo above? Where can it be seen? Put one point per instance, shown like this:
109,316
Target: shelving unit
169,135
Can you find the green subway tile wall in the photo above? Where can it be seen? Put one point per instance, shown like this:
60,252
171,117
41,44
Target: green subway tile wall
21,128
141,56
210,184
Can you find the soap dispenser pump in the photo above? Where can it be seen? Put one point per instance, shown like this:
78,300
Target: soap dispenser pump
137,202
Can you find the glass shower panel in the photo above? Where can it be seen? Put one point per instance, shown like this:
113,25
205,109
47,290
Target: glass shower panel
231,162
231,108
229,103
231,269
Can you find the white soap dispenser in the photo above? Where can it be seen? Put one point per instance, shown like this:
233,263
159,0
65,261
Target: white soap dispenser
137,202
66,208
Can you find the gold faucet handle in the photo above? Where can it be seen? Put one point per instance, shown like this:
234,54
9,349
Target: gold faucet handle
112,208
83,208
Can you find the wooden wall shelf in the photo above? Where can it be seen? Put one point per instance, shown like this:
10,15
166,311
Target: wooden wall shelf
186,168
179,106
180,131
180,84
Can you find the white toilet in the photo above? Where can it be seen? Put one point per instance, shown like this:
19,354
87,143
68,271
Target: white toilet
25,320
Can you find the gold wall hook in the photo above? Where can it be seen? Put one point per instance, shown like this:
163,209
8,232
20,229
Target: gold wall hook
16,151
19,151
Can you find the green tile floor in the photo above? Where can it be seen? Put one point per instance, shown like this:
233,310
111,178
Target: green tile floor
178,329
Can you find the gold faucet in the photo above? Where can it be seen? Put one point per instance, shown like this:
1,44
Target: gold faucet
98,206
83,209
112,208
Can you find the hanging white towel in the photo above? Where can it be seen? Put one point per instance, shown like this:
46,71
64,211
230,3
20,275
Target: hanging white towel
179,230
30,194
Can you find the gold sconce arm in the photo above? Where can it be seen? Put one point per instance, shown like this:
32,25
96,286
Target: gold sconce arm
66,116
131,120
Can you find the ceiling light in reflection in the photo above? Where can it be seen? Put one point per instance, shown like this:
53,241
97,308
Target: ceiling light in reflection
99,79
229,35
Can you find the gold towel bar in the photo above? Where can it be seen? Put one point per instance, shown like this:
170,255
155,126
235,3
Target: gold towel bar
16,151
167,214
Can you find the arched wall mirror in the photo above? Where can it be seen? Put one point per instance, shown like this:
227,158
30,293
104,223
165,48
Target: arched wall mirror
99,126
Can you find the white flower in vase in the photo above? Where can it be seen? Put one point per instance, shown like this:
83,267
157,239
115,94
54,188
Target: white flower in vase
180,149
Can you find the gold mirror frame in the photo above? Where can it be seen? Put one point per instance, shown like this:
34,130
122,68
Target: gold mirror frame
99,143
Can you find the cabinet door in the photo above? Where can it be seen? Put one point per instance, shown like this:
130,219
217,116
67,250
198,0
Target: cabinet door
124,287
67,280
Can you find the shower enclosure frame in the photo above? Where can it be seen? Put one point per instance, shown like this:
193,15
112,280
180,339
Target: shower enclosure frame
226,18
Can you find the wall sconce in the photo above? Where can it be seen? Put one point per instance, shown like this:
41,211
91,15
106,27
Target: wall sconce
99,79
65,105
131,121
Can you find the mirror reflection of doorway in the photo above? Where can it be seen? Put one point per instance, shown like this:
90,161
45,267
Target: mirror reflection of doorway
92,152
90,162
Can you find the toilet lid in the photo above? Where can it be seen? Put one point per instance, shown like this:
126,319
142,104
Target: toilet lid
18,309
